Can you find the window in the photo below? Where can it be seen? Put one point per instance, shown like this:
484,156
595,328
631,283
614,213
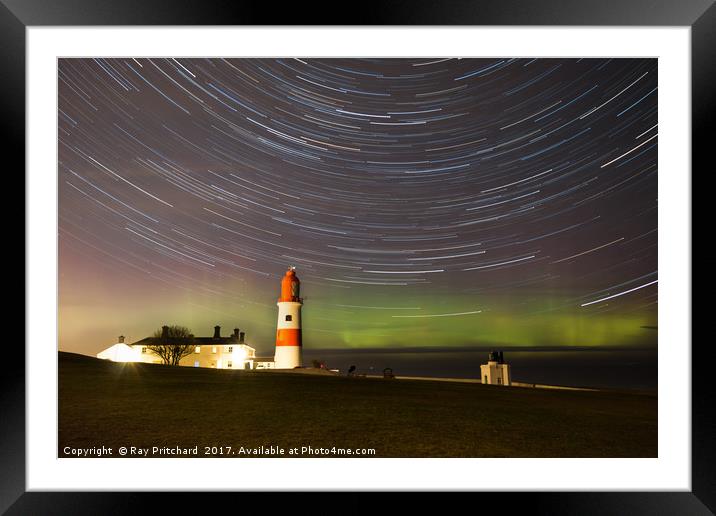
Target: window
213,349
231,350
197,349
289,318
144,350
196,363
499,381
228,364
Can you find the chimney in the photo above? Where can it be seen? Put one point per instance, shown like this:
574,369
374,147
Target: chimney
165,331
120,339
217,332
241,337
236,333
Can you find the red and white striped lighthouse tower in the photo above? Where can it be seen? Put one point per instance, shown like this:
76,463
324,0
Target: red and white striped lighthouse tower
288,330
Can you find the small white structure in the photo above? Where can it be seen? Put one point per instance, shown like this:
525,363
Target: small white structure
121,352
495,372
264,363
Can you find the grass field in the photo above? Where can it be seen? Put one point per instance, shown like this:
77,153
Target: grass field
144,405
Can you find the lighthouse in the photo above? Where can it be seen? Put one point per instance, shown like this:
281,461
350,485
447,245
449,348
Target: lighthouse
288,330
496,371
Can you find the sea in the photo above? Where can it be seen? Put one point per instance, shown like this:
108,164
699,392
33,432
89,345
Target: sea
621,369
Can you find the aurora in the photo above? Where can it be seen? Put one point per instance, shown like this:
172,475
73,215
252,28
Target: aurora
459,202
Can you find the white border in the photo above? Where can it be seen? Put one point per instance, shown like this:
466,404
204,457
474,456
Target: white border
670,471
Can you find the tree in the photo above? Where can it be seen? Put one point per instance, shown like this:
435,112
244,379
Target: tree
172,343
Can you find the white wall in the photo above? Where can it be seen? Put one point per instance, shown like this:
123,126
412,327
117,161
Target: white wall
493,373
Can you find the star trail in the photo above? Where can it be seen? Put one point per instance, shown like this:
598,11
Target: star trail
435,202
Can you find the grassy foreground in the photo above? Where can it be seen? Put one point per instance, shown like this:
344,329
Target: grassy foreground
145,405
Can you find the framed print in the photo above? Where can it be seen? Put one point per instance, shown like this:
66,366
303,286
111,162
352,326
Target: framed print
448,249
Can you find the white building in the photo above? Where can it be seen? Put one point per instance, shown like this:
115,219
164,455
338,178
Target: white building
495,372
215,352
121,352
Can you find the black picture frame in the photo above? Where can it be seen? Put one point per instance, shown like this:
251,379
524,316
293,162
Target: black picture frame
700,15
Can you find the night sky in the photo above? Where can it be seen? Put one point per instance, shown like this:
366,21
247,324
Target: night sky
424,202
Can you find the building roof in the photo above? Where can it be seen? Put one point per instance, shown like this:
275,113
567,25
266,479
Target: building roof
235,339
197,341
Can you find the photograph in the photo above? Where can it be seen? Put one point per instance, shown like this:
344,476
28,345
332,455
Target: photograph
357,257
426,249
